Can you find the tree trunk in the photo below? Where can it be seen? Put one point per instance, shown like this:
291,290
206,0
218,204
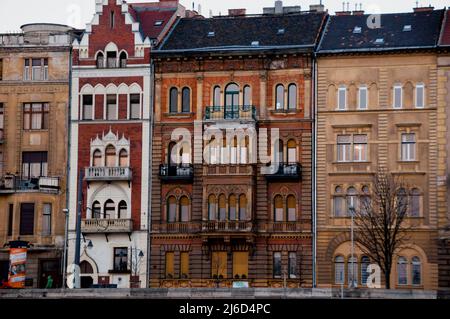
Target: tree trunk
387,278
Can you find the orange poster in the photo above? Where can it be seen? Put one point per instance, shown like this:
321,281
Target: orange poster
17,273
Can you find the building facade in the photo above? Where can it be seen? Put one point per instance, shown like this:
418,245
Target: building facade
34,93
378,108
233,95
110,140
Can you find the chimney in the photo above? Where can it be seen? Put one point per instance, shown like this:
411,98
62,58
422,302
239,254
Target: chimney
344,12
237,12
317,8
423,9
278,7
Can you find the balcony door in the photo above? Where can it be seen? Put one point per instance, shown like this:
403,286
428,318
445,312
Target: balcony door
231,102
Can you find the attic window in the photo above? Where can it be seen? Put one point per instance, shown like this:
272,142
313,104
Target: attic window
281,31
211,34
255,43
407,28
357,30
379,41
158,23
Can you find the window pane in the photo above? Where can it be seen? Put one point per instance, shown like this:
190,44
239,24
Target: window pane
415,203
278,209
292,95
420,98
173,100
339,206
292,265
360,148
111,107
120,259
339,267
247,95
277,265
416,271
26,219
352,271
222,208
242,208
342,103
401,271
135,106
172,210
212,208
280,97
87,107
186,100
184,203
47,220
398,97
219,264
216,96
364,270
362,98
292,210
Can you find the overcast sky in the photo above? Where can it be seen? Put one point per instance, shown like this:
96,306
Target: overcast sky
14,13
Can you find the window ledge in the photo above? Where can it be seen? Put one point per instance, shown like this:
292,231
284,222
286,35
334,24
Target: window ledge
352,163
408,162
285,111
179,115
125,272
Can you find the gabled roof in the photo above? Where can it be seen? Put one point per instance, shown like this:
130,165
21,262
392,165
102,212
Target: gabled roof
148,14
445,36
245,33
413,30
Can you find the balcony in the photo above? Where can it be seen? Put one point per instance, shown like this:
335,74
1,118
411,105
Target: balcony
230,113
176,228
286,172
226,226
108,174
12,184
178,173
228,170
106,226
284,227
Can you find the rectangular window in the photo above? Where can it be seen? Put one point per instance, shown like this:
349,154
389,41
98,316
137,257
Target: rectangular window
88,104
342,99
47,220
420,96
35,69
240,265
360,148
277,264
121,259
135,106
219,265
26,219
408,147
10,219
35,116
398,99
344,143
184,265
111,107
1,69
170,271
34,164
292,265
362,98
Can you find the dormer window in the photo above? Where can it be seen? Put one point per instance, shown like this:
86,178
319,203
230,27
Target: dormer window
379,41
158,23
407,28
255,43
211,34
281,31
357,30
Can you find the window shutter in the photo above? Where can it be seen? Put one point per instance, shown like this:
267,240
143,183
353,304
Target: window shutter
27,219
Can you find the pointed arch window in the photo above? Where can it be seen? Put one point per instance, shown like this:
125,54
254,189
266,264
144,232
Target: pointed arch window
173,101
243,208
123,158
222,207
123,60
96,210
232,208
184,209
122,213
291,209
97,158
171,209
110,156
100,60
186,100
109,209
212,208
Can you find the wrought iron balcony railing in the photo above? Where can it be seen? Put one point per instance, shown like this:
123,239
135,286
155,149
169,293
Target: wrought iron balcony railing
227,226
182,172
286,171
12,183
108,174
102,226
229,113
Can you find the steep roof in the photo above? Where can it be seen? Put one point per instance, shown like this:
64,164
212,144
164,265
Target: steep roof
245,32
148,14
445,36
396,31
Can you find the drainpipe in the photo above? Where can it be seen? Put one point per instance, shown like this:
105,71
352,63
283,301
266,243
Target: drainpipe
314,172
150,188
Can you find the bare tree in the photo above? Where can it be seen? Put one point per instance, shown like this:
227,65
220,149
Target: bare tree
380,230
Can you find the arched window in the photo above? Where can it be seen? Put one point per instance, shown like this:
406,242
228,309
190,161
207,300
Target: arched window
291,209
247,96
414,210
365,262
86,268
212,208
402,202
292,152
184,209
232,208
234,151
339,270
222,207
245,150
402,271
185,153
292,96
123,158
110,156
100,60
279,149
123,60
171,156
96,210
186,100
224,156
232,101
279,97
216,100
339,202
109,210
173,101
171,209
416,271
278,208
352,267
122,210
97,158
352,201
214,151
243,208
365,200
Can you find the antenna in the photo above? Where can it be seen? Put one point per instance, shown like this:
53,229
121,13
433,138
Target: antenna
417,4
343,6
360,7
356,7
348,6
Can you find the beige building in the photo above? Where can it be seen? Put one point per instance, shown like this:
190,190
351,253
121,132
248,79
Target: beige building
34,95
377,107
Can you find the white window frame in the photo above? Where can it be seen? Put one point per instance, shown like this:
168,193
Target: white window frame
362,89
416,96
339,106
406,157
396,87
